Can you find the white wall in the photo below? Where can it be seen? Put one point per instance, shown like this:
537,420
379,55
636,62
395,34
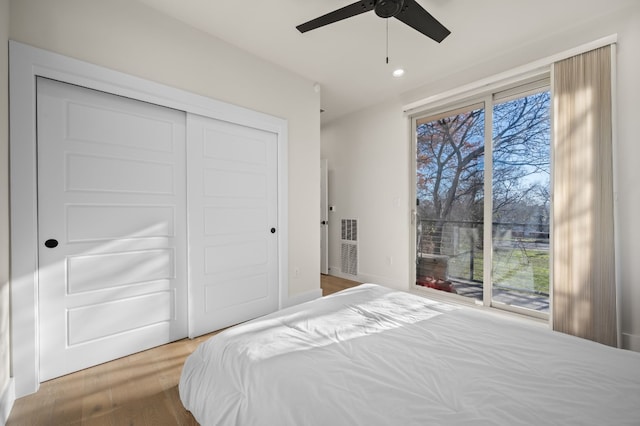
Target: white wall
130,37
4,206
628,175
370,161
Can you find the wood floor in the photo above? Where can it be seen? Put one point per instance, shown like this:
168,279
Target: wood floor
331,284
141,389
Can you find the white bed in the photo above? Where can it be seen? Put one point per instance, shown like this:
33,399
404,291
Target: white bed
373,356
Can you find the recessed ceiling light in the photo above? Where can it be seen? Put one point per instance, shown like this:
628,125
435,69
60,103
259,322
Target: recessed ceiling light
398,73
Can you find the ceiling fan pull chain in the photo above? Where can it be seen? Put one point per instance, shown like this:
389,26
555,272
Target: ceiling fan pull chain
387,40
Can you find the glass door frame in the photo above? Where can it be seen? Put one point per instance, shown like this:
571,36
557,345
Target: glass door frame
487,101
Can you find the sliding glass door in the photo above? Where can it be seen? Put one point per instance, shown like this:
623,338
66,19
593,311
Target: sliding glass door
483,199
521,195
450,200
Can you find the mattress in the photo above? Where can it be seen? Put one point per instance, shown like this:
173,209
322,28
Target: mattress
370,355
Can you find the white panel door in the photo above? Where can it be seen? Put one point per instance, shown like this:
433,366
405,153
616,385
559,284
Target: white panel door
233,239
112,196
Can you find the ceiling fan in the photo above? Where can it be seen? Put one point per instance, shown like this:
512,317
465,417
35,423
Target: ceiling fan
407,11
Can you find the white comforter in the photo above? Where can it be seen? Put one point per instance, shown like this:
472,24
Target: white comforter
373,356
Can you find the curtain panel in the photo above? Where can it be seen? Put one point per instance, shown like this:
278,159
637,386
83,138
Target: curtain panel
584,285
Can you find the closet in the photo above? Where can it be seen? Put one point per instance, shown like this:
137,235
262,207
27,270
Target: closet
154,224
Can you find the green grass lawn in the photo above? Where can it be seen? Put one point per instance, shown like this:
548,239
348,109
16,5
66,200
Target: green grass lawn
515,268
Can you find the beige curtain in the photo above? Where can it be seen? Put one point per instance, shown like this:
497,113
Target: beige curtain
584,289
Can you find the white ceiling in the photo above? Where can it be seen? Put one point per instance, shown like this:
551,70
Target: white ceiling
347,58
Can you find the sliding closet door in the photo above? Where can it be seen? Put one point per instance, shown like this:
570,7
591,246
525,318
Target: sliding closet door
112,227
233,239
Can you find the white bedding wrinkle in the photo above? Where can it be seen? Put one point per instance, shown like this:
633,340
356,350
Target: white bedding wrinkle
373,356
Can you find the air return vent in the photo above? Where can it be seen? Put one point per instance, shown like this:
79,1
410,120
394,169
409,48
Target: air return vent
349,250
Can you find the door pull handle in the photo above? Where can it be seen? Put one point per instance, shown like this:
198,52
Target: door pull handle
51,243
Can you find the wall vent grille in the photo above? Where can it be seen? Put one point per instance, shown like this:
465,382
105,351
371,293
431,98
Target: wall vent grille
349,247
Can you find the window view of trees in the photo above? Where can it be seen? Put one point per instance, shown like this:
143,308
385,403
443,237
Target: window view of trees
450,167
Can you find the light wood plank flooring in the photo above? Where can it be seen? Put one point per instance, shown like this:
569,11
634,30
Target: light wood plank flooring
141,389
331,284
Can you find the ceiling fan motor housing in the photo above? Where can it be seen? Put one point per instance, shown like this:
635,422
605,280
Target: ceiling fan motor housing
388,8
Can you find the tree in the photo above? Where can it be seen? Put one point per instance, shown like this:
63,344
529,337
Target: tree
450,161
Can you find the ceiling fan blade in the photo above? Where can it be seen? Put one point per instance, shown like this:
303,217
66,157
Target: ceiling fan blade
337,15
419,19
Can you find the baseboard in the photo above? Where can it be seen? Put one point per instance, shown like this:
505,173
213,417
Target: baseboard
631,342
7,399
303,297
